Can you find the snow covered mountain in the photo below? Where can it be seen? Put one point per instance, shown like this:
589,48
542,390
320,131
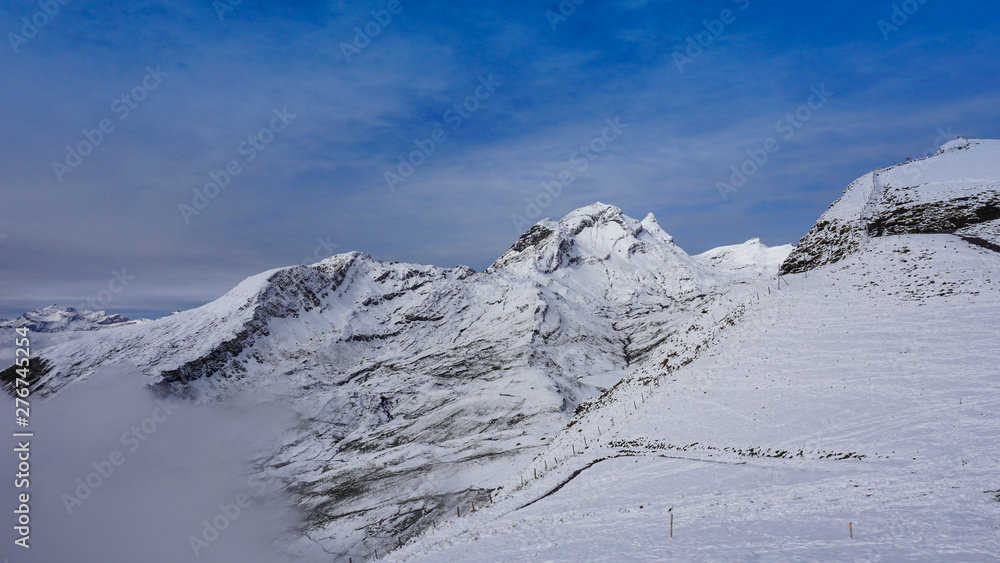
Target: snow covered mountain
419,389
851,415
955,191
863,399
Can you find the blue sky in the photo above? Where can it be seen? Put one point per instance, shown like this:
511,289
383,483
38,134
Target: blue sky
202,91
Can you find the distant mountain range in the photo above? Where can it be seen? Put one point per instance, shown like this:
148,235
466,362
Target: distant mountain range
58,319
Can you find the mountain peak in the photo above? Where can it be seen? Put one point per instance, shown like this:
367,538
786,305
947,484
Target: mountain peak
752,254
598,216
597,211
592,232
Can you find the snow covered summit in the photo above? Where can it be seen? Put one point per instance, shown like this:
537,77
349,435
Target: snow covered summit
590,234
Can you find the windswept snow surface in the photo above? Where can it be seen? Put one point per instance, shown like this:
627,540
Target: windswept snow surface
864,394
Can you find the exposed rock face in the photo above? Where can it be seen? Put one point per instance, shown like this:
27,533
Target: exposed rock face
837,234
955,191
417,388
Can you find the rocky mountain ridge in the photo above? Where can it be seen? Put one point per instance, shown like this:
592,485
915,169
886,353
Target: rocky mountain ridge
955,191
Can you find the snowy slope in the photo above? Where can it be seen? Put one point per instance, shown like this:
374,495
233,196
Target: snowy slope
865,393
418,389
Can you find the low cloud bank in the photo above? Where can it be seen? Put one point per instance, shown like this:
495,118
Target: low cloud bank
117,474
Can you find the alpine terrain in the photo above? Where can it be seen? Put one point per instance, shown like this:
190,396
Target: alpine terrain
852,415
596,383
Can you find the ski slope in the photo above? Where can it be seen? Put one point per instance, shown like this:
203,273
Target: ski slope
865,395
